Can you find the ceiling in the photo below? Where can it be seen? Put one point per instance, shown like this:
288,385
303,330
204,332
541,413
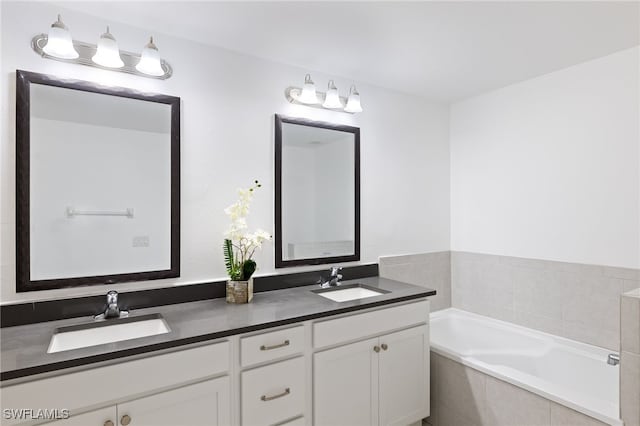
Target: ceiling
440,50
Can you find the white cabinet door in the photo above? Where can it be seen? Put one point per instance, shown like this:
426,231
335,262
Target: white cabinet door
100,417
345,385
205,403
404,376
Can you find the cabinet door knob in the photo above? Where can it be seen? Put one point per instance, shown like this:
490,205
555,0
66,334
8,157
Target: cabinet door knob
108,423
125,420
376,349
384,346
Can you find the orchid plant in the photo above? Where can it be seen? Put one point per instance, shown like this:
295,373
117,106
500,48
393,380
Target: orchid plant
240,245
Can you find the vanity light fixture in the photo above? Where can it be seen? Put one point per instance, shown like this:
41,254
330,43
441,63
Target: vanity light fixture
150,60
353,103
58,45
330,100
308,94
108,54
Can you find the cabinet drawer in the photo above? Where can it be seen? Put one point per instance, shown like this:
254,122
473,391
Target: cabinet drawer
298,421
273,393
271,345
353,327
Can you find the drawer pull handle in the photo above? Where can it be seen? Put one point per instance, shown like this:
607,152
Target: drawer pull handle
125,420
108,423
281,345
286,392
376,349
384,346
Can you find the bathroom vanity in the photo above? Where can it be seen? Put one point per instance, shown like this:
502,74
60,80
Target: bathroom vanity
291,357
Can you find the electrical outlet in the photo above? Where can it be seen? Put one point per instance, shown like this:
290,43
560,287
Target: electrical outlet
141,241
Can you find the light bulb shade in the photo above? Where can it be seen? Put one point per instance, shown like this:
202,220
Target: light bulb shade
108,54
59,42
332,98
353,102
150,60
308,95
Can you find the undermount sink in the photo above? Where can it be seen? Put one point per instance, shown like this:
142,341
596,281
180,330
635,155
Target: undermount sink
108,331
345,293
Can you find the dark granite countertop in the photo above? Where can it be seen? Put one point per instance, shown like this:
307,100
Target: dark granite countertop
23,349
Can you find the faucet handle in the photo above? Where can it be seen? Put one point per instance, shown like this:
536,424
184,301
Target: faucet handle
112,297
335,270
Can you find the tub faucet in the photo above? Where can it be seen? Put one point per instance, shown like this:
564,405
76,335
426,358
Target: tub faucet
613,359
112,310
334,278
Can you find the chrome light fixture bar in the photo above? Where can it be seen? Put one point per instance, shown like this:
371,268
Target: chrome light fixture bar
330,100
59,45
87,51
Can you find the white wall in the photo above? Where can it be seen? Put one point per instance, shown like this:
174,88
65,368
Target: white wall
549,168
228,102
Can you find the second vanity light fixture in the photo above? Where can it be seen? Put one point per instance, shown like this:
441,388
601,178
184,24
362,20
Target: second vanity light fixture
59,45
307,95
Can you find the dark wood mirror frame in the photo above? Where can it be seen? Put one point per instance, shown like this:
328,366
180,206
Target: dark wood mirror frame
279,261
23,275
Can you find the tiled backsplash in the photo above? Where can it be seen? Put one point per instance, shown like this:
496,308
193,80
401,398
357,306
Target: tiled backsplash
580,302
432,270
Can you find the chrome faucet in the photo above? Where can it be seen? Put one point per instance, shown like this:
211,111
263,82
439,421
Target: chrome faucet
613,359
113,310
334,278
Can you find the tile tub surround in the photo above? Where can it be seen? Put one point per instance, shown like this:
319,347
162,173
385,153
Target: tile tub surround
432,270
576,301
630,358
462,396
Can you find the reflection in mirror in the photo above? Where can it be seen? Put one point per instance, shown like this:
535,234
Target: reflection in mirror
317,192
97,184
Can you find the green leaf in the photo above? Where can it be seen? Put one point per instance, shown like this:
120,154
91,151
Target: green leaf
232,268
248,268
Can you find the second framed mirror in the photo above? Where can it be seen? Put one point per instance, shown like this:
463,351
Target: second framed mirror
317,199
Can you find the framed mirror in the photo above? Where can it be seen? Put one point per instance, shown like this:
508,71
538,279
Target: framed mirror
317,192
97,184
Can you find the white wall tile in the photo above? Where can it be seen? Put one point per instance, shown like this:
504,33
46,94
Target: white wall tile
508,405
431,270
461,388
630,322
580,302
630,388
564,416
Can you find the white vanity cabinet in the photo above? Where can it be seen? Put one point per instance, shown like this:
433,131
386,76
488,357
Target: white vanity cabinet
103,417
188,386
382,380
200,404
369,367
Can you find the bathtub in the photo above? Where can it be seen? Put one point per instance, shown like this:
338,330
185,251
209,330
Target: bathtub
570,373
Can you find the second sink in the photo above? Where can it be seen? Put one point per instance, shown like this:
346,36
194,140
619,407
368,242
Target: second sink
109,331
345,293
